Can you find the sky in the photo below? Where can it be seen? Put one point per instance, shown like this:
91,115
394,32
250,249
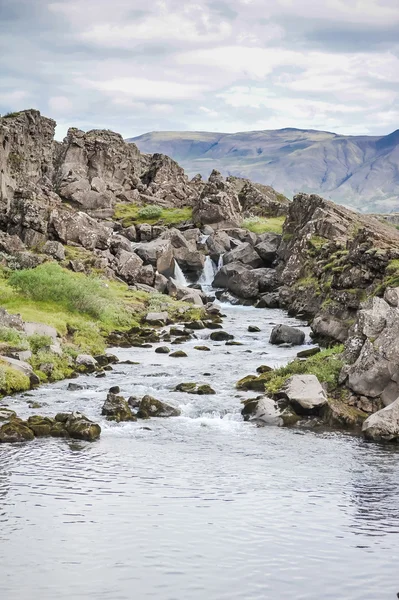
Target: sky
217,65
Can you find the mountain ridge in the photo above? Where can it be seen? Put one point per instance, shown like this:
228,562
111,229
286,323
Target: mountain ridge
360,171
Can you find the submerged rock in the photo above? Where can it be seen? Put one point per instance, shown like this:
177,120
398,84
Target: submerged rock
178,354
221,336
202,348
162,350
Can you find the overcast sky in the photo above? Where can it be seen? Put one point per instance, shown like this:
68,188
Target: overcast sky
217,65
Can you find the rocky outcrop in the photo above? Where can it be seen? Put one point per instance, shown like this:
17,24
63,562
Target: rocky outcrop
304,393
383,426
218,204
284,334
261,200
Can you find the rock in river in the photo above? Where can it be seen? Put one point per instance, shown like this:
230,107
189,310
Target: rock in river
284,334
383,426
151,407
304,393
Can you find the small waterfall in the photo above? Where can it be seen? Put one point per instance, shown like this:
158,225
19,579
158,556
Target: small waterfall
208,274
220,262
203,238
179,276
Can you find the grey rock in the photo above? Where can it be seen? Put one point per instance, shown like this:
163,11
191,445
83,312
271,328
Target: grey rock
304,393
284,334
54,249
383,426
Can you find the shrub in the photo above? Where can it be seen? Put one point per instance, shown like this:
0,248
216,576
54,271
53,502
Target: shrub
37,342
13,338
152,211
264,225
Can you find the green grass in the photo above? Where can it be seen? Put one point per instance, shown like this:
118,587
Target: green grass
326,366
131,214
12,380
11,338
11,115
264,225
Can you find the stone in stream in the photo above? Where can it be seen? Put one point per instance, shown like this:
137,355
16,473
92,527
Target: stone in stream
304,393
264,369
162,350
268,412
202,348
151,407
6,413
195,325
73,387
115,408
270,300
383,426
307,353
284,334
157,318
178,331
178,354
212,325
15,431
221,336
194,388
233,343
253,329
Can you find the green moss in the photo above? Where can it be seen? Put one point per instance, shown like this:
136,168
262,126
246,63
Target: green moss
318,241
326,365
287,237
260,225
37,342
11,115
131,214
56,367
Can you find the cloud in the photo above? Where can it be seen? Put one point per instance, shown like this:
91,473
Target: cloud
203,64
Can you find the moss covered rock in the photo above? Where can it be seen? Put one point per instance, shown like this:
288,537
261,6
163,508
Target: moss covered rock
41,426
186,387
178,354
6,414
151,407
202,348
205,389
221,336
162,350
337,413
83,429
116,408
15,431
252,382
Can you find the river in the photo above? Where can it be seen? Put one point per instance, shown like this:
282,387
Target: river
203,506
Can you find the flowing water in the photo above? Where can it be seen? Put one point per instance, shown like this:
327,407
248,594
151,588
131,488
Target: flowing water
203,506
179,276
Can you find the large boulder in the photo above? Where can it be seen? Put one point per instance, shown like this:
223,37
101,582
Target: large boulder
304,393
184,293
15,431
267,248
78,228
159,254
267,279
285,334
190,261
262,200
383,426
244,285
218,204
224,274
244,254
217,244
266,411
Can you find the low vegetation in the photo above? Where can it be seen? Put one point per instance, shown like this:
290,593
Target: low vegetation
131,214
12,380
264,225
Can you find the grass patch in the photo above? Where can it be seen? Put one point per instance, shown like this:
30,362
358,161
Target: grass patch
12,380
260,225
11,338
326,366
131,214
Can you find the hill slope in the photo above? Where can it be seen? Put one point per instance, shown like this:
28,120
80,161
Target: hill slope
359,171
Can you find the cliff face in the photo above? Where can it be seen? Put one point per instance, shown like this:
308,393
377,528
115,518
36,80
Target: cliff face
342,270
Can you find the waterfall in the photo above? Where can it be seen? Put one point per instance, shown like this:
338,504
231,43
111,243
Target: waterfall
179,276
203,238
220,262
208,274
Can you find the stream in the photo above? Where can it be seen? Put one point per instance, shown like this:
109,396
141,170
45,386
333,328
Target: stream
202,506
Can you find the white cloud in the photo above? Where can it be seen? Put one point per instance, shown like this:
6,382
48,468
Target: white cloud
136,87
60,104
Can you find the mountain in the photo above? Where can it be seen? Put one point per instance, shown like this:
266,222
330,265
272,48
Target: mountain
359,171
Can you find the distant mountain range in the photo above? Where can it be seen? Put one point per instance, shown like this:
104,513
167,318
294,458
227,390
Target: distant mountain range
361,172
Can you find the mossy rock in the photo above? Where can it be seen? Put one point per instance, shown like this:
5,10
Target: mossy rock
249,408
289,417
195,325
253,329
251,382
116,408
186,387
6,414
178,354
337,413
221,336
307,353
213,325
151,407
83,429
41,426
15,431
205,389
202,348
177,332
234,343
58,430
162,350
264,369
